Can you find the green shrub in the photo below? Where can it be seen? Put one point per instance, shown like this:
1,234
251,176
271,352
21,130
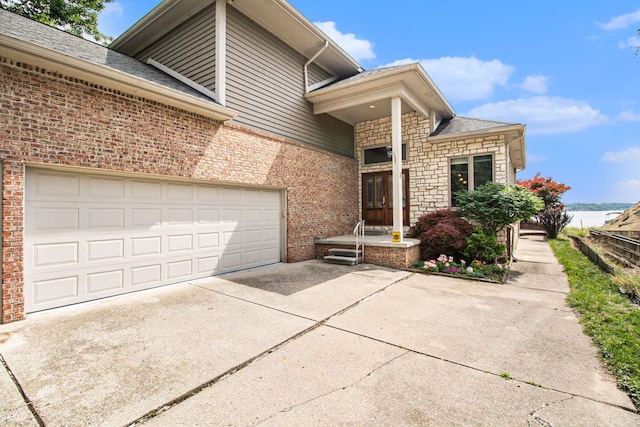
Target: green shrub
441,232
483,245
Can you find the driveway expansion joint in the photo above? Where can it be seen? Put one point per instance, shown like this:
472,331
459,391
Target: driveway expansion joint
320,396
24,396
168,405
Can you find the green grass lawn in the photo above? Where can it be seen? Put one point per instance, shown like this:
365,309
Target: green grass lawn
611,320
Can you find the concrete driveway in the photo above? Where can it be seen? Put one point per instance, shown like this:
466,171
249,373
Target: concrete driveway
316,344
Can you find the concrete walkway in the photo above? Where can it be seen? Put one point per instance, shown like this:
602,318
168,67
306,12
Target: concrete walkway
316,344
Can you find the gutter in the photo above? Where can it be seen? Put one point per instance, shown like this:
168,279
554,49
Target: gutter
32,54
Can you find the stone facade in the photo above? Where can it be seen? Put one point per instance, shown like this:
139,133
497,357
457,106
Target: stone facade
51,119
428,159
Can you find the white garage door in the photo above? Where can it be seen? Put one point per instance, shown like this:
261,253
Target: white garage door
89,236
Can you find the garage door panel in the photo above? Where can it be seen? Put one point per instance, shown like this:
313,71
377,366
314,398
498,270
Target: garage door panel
103,187
232,238
180,192
232,216
271,216
208,264
146,190
146,275
113,235
146,217
105,281
180,269
208,240
105,250
100,218
179,217
179,243
231,196
52,219
49,184
141,246
207,194
55,254
208,216
55,290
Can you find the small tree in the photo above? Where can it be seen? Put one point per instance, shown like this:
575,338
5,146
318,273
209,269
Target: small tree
495,206
441,232
554,217
546,188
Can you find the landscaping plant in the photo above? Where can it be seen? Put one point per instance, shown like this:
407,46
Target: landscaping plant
441,232
495,206
553,218
494,272
483,245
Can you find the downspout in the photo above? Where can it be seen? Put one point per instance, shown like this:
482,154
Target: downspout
306,65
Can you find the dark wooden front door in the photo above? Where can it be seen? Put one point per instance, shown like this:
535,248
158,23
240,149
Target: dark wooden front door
377,198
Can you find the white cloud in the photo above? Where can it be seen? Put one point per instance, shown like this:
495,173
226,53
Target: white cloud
630,155
543,114
631,42
359,49
628,116
621,22
110,20
626,190
462,78
536,84
534,158
113,8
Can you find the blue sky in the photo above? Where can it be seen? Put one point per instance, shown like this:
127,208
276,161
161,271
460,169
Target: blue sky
567,70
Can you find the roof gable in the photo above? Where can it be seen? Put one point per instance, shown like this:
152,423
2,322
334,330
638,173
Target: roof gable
38,44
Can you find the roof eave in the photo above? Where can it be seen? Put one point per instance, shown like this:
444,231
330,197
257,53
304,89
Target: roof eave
413,72
32,54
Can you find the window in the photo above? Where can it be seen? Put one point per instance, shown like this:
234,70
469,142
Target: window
381,154
470,173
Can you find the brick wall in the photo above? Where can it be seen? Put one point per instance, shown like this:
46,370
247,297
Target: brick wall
428,159
51,119
399,257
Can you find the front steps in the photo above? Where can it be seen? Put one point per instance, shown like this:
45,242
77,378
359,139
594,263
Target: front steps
344,256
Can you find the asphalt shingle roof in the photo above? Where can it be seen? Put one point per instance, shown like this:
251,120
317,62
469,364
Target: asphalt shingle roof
456,125
24,29
362,75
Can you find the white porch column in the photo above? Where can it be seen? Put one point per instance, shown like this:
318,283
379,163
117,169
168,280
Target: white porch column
396,147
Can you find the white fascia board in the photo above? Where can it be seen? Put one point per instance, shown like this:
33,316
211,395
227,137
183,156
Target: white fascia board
410,75
434,89
477,133
332,103
55,61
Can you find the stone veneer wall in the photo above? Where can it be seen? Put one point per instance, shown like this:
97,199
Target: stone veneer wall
52,119
428,159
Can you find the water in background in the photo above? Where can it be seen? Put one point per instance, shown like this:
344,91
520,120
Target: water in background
588,218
